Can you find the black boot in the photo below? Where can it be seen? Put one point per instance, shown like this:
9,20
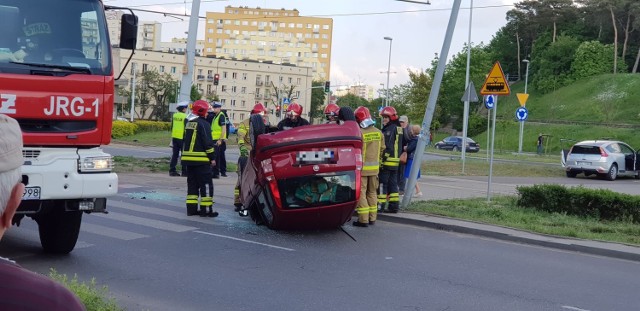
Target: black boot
192,210
203,212
211,213
360,224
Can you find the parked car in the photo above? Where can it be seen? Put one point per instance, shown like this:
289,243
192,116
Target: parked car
605,158
454,143
307,177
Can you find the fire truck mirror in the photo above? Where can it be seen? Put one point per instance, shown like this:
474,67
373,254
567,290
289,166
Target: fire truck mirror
128,32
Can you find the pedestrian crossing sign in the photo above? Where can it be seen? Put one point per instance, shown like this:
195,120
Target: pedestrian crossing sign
496,83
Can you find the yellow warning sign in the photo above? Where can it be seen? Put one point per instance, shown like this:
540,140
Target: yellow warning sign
522,98
495,84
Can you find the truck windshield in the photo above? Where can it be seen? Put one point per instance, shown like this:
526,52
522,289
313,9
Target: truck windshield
61,35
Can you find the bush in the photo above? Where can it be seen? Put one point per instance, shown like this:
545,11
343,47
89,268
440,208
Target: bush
94,299
151,126
601,204
122,129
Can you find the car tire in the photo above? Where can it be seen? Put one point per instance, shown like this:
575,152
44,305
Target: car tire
571,174
438,147
59,229
346,114
256,128
612,174
456,149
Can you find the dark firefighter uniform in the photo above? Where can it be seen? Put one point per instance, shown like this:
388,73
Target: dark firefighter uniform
197,154
389,170
372,149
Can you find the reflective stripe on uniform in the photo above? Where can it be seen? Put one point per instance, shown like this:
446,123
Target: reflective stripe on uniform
394,197
192,199
206,201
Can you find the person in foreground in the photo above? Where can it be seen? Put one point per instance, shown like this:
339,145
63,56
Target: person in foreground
21,289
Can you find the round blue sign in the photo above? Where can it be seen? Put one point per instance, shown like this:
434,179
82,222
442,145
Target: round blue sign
490,101
522,113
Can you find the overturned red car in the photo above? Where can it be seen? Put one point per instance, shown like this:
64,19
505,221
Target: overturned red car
307,177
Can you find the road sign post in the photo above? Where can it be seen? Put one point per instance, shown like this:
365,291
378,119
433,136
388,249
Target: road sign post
495,84
522,98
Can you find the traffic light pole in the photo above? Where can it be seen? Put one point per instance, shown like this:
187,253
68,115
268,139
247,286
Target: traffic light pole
187,78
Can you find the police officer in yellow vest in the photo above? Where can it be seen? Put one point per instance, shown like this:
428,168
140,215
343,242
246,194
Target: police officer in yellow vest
198,155
177,132
218,122
393,138
372,148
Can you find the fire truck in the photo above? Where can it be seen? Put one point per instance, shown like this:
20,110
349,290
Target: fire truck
57,81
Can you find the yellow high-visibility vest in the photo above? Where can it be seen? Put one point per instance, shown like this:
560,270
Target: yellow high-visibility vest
177,127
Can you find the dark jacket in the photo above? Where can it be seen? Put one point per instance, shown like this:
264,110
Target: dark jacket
198,144
411,147
393,139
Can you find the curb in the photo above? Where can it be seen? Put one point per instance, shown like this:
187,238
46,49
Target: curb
607,249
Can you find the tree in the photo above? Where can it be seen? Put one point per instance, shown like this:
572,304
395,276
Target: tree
591,58
317,99
195,93
552,63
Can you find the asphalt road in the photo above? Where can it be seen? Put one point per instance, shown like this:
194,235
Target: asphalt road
153,257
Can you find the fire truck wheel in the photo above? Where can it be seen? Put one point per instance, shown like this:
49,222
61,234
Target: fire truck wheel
59,230
256,127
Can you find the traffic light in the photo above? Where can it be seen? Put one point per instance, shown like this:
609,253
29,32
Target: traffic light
216,79
327,86
278,111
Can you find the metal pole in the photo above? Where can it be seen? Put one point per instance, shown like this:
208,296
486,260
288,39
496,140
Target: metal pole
388,69
187,78
133,91
526,81
493,140
488,129
431,105
466,85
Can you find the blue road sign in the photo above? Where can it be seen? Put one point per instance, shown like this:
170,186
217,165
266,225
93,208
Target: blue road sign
522,113
285,100
489,101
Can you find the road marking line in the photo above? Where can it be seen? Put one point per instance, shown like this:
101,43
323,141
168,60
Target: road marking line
158,224
573,308
110,232
246,241
159,211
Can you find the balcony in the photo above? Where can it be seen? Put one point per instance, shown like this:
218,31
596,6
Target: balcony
209,78
200,77
259,83
219,26
258,96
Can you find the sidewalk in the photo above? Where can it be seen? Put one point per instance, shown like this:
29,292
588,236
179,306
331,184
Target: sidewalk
607,249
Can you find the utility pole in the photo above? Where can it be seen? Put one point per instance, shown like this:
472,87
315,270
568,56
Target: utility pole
133,91
187,75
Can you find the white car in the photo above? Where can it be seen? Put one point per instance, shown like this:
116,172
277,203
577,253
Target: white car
605,158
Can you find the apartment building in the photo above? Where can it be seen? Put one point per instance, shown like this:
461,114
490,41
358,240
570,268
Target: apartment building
179,45
149,32
241,83
276,35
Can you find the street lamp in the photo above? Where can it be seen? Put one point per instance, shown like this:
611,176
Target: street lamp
388,69
526,81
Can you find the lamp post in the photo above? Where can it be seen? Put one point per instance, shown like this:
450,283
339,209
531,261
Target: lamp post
526,82
388,69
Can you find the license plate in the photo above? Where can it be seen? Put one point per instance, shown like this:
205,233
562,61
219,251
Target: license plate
315,157
31,193
583,163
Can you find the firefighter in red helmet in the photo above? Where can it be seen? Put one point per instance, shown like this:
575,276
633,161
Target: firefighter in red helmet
388,196
372,148
294,118
198,155
245,148
331,113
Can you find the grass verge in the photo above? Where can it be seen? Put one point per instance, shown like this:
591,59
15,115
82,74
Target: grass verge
153,165
474,167
503,211
158,139
92,297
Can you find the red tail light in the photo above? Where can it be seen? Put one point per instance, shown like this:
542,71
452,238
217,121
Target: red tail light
359,161
603,153
267,169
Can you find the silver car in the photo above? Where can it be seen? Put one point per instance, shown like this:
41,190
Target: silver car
606,158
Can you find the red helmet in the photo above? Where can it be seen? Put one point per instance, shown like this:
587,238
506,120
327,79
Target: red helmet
295,109
259,108
389,112
331,110
363,116
200,108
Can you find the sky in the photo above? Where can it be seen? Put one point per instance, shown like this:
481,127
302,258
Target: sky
360,54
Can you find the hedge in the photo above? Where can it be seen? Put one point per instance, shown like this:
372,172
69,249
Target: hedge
600,204
124,128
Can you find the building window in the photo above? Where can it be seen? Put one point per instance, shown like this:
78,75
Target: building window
325,27
233,103
161,68
145,67
243,103
223,88
234,89
290,80
224,74
267,79
173,69
244,76
242,116
299,80
243,90
234,75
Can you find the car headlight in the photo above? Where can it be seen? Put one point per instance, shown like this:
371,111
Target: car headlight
95,164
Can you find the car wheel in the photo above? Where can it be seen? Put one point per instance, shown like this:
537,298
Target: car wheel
571,174
456,149
346,114
256,127
438,147
613,172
